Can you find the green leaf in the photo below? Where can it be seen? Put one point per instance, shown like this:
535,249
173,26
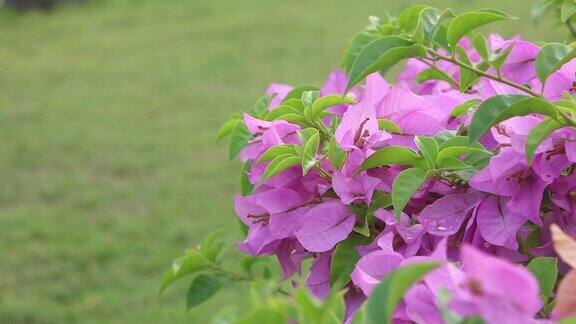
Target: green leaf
344,260
305,134
388,293
354,48
309,97
428,147
538,134
457,151
502,107
460,141
309,310
248,262
392,155
431,28
408,18
188,264
434,73
336,154
323,103
279,164
498,59
227,128
239,138
478,160
481,46
295,103
275,151
293,118
404,186
264,315
469,21
382,54
443,136
334,309
389,126
212,247
309,153
467,77
245,186
473,320
360,316
461,109
551,58
297,92
260,107
427,21
361,212
568,10
440,37
541,8
451,163
545,270
202,288
281,111
380,199
493,59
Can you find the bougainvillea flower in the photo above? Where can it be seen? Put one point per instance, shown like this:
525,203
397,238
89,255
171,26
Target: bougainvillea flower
513,132
284,225
375,89
359,128
509,175
373,267
561,81
480,230
564,193
270,215
290,255
277,92
326,225
445,216
350,185
497,224
423,301
262,204
496,290
319,280
412,113
407,238
258,241
519,65
266,135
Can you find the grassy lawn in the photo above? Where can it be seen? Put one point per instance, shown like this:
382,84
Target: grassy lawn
107,161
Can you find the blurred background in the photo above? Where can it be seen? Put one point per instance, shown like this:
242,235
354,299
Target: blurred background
108,111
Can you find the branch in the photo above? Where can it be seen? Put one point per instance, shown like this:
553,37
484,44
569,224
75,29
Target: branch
485,74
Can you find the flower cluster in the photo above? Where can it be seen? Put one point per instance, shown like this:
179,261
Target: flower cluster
382,175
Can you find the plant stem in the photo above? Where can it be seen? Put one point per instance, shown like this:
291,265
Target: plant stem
323,173
484,74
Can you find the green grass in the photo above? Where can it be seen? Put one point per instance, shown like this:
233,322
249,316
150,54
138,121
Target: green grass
107,161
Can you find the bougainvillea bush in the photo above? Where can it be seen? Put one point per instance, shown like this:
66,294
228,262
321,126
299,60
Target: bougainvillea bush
426,199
